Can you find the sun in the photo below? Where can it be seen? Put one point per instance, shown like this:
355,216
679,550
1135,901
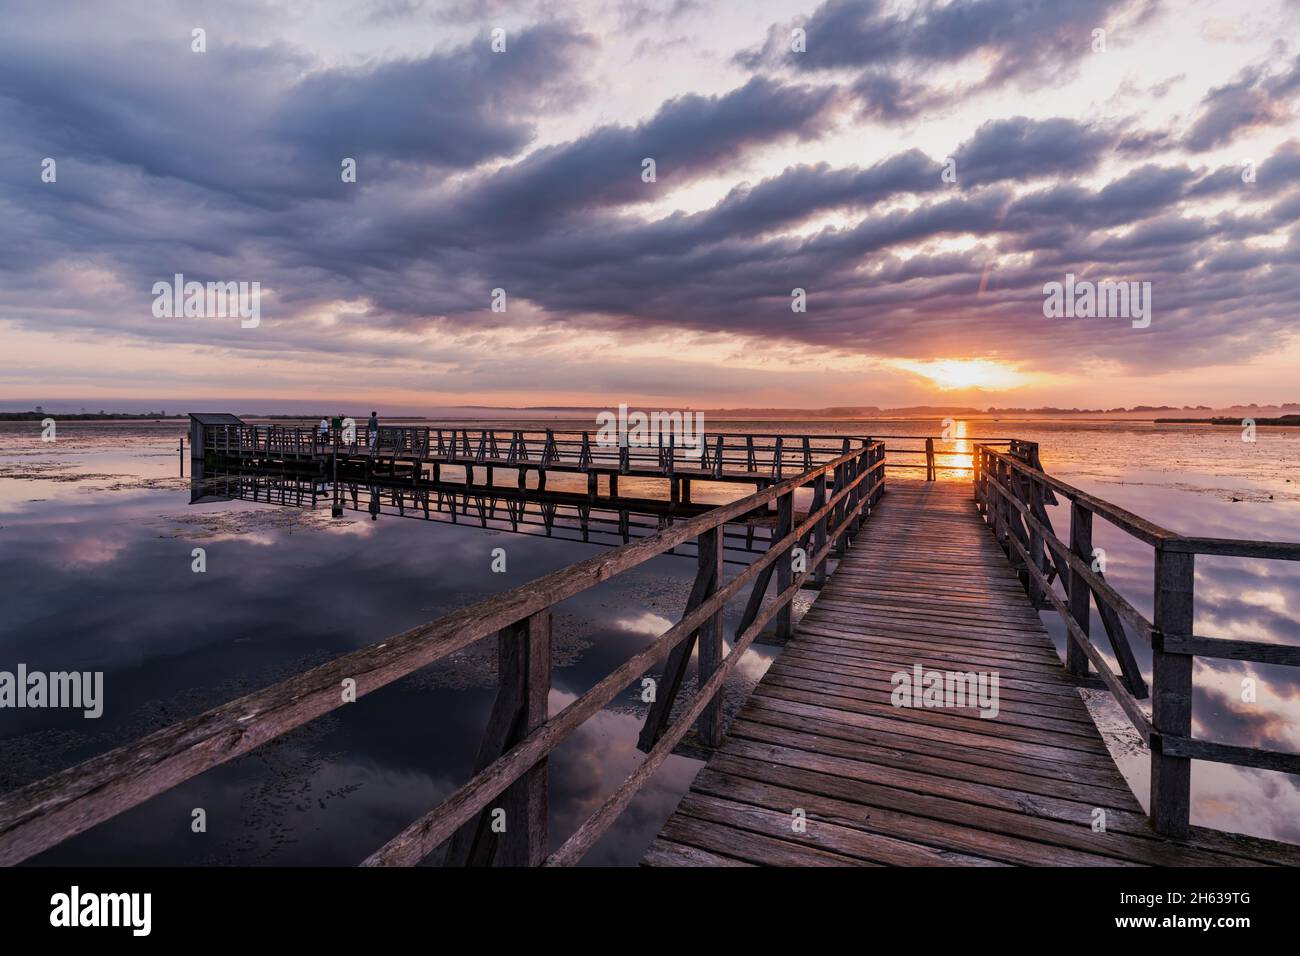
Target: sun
950,374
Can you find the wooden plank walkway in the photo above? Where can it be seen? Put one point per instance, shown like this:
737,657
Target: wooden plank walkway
925,583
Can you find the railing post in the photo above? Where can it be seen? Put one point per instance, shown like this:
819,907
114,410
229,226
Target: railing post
998,505
784,569
879,479
1037,557
855,496
1080,594
1171,693
838,512
819,530
708,570
710,658
929,459
524,683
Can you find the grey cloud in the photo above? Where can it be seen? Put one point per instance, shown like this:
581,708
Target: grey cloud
1257,97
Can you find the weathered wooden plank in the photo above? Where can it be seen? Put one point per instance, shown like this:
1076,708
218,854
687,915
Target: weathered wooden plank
892,741
990,845
792,823
752,847
1026,817
667,853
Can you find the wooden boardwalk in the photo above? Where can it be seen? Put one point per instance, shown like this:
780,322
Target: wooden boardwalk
924,583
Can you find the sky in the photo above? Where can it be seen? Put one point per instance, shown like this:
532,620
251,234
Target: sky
920,170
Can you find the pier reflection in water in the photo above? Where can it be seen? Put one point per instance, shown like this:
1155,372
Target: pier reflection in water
569,516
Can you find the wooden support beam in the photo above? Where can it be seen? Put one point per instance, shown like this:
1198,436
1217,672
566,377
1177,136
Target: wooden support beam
523,685
819,533
1171,694
784,569
710,656
1036,550
1076,660
670,682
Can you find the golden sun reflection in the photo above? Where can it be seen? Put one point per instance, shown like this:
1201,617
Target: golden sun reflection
961,451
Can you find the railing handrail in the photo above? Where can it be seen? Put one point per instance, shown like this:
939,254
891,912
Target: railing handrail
726,455
46,812
541,432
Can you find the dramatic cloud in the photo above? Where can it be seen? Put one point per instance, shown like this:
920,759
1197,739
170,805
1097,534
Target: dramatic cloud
826,171
1258,97
1014,37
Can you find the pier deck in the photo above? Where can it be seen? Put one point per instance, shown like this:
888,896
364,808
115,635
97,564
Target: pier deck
925,583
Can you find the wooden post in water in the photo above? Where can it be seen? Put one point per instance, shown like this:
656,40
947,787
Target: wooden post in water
1080,596
524,682
784,570
670,681
837,512
819,534
710,657
1171,693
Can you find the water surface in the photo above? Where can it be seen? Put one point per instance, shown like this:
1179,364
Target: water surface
96,537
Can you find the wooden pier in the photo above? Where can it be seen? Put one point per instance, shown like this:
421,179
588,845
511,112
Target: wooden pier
819,768
418,453
822,766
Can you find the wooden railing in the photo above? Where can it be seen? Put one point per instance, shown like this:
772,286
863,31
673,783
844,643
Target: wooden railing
722,453
936,452
771,456
511,763
1011,490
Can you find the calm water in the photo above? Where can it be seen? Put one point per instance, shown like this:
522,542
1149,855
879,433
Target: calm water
96,532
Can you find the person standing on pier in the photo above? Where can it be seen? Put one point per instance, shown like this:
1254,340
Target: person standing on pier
373,428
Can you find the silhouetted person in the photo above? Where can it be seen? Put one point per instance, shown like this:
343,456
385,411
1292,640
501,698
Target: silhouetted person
373,428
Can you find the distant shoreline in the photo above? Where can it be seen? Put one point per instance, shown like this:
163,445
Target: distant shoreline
1284,420
1234,416
88,417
